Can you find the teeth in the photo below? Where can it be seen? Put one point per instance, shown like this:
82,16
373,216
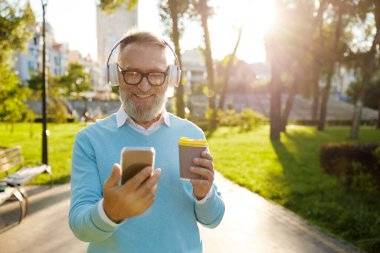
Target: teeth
143,96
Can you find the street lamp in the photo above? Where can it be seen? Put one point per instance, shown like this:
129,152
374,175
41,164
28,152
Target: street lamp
44,89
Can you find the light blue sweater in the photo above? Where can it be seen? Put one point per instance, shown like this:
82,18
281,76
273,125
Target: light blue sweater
170,225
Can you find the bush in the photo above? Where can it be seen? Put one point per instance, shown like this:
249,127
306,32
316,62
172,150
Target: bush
246,120
249,120
356,165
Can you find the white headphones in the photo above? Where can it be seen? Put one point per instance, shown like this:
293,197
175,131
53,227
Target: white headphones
174,75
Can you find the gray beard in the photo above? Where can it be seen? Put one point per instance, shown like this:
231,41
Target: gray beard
139,113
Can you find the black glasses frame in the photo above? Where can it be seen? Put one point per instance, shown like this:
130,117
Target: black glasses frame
142,75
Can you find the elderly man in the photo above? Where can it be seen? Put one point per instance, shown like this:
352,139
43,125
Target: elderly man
154,211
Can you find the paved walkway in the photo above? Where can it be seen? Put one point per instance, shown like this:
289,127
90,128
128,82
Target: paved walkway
251,224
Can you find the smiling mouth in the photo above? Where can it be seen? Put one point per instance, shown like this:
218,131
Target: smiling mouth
143,96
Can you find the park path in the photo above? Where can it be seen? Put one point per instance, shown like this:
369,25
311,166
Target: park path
251,224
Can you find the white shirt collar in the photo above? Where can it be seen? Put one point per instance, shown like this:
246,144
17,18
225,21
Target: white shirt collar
122,117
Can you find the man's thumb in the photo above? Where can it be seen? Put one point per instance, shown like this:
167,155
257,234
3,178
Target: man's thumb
115,176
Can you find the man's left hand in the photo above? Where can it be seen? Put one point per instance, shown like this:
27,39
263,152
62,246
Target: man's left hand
205,168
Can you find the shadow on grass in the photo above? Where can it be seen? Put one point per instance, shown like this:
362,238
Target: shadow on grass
319,197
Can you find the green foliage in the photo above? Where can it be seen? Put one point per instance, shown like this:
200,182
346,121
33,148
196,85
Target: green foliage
289,173
12,96
110,6
56,107
246,120
15,29
372,94
76,80
61,140
174,9
362,181
35,81
355,165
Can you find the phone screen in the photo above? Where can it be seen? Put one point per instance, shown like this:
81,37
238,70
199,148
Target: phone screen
134,160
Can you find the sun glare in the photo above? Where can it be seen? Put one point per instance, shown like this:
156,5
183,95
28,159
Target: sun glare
257,18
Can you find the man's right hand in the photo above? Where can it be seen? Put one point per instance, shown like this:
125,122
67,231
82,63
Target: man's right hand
132,198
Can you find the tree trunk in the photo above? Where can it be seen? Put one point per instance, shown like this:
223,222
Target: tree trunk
367,74
318,25
325,100
179,101
227,73
275,100
368,71
315,106
203,10
378,115
289,104
208,58
326,90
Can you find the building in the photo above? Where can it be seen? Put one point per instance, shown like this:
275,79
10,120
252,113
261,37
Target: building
110,28
29,62
193,70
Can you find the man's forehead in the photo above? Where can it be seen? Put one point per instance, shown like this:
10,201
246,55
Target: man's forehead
143,55
142,47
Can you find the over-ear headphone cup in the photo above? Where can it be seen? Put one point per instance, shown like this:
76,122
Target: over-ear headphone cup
113,78
174,76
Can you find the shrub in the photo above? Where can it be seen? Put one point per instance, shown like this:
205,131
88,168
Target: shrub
356,165
249,120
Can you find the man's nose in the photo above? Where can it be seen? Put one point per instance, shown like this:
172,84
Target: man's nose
144,84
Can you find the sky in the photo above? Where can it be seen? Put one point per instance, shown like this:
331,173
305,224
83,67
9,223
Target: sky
74,22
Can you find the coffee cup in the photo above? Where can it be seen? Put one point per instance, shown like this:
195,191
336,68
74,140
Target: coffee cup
188,150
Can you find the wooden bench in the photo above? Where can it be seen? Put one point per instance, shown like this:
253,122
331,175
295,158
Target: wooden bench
8,192
11,184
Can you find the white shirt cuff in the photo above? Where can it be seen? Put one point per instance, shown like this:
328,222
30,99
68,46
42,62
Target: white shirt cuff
209,195
104,216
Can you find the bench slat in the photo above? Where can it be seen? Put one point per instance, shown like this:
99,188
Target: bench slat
9,150
25,174
10,158
7,166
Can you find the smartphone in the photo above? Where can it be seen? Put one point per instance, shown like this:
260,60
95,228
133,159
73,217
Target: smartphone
134,159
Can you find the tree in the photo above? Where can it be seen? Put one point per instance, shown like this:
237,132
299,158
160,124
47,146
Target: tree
57,108
316,50
12,97
15,29
276,59
205,11
294,34
76,80
109,6
368,60
331,65
172,12
229,59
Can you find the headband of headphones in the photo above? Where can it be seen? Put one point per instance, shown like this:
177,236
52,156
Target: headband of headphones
174,75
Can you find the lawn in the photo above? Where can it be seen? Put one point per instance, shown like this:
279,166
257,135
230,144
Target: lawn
288,173
60,144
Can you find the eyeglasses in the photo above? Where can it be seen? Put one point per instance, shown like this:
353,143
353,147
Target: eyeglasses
135,77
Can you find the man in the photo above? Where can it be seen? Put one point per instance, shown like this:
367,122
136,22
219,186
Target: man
154,211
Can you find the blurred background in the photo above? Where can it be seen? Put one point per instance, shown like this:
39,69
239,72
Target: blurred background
296,82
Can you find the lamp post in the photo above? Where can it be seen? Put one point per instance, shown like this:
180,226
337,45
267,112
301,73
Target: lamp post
44,89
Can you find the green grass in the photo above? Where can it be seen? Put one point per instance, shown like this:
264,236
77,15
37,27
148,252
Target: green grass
60,144
289,173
